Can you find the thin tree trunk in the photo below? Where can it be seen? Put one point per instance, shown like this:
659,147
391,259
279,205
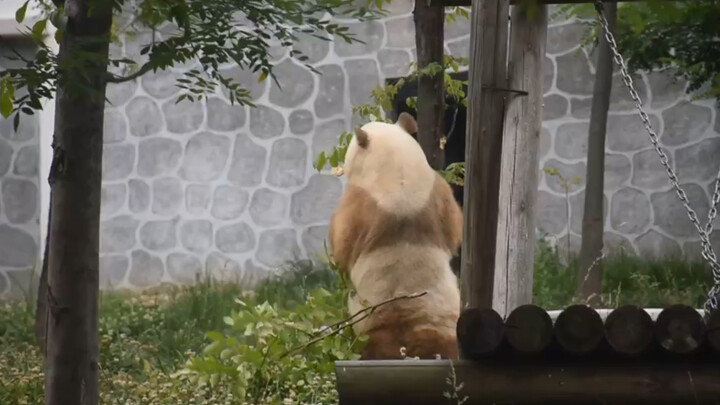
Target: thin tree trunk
41,299
429,34
71,367
590,264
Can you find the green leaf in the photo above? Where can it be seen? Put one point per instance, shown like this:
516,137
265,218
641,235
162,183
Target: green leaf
262,77
343,152
38,29
320,162
214,380
6,97
334,158
6,105
226,353
216,336
211,348
20,13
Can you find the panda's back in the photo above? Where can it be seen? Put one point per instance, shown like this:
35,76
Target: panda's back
405,269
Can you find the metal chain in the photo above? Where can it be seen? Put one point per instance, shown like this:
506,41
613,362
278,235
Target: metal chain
707,250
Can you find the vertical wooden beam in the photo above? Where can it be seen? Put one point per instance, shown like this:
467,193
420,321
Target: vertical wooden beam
429,41
519,169
488,48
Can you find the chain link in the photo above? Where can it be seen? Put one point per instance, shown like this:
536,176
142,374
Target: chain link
707,251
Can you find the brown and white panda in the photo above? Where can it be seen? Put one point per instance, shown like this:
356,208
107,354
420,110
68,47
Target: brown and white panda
394,231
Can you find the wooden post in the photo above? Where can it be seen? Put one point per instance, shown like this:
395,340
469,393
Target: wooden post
515,251
429,34
488,47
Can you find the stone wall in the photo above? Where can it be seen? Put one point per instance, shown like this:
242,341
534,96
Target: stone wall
645,214
19,190
229,191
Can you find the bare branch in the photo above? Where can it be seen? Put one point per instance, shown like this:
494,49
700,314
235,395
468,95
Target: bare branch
111,78
346,323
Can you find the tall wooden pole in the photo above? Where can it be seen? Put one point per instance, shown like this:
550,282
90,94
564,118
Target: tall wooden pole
429,34
488,48
519,170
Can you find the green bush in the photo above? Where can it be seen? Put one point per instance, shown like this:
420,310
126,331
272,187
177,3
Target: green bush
272,354
280,345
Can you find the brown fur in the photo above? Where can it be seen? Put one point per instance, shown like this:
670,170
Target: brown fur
395,329
408,123
362,137
359,226
385,344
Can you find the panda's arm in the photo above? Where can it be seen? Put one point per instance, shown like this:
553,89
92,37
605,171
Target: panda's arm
340,245
349,226
452,216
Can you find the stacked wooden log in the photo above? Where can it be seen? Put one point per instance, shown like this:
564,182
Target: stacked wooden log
679,332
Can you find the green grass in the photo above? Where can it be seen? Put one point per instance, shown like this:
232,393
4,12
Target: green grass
145,338
626,280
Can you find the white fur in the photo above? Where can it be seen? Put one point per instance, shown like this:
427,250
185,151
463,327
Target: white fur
379,276
393,169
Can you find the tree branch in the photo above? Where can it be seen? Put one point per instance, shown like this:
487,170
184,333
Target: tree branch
111,78
346,323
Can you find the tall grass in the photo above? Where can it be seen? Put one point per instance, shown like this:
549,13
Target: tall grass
627,279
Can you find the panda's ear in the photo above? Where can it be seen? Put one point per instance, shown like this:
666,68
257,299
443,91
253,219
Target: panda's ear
362,137
407,122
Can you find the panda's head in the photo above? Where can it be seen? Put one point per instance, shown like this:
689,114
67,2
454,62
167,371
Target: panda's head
383,149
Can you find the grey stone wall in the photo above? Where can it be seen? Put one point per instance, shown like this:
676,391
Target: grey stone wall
642,212
19,190
228,191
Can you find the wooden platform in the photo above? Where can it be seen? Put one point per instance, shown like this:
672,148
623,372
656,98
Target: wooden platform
572,356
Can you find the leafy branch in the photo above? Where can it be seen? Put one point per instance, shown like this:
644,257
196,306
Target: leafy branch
203,33
657,35
363,314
